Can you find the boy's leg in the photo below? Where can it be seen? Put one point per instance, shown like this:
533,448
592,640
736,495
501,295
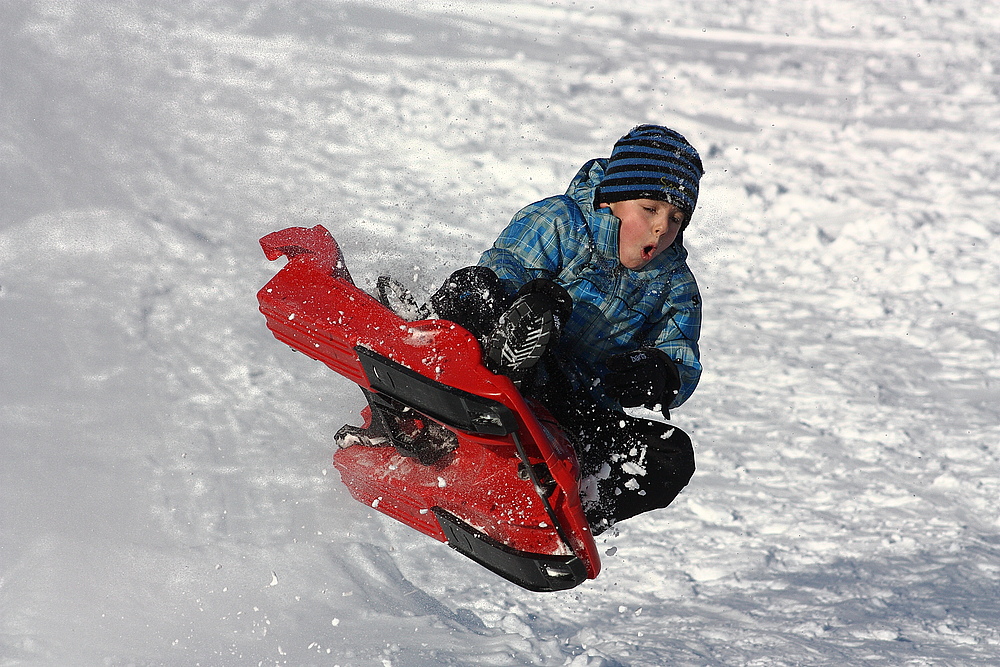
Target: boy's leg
629,466
640,467
473,297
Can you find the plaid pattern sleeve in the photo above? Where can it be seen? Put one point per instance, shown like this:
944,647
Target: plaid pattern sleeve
532,245
676,333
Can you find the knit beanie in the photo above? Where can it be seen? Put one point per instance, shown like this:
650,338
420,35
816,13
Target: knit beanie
652,162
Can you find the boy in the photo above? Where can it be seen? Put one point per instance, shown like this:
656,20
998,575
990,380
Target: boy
586,301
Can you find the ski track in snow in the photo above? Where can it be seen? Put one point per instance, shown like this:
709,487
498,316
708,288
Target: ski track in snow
167,495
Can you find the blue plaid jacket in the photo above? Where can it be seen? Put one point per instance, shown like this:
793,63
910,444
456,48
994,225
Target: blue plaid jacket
615,309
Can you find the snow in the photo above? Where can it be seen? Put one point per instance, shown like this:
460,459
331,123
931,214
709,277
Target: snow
167,495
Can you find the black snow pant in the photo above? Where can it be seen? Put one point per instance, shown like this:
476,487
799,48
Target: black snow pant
628,465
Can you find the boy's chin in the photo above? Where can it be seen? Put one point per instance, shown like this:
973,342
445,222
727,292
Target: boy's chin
634,264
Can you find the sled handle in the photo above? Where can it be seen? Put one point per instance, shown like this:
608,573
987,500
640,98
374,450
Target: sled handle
307,244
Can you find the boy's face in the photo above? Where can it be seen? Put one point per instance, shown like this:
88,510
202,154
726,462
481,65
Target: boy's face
648,227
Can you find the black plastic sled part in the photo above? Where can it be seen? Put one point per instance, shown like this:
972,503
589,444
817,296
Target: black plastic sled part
540,573
464,411
448,405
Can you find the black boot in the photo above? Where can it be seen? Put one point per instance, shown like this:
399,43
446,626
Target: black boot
399,299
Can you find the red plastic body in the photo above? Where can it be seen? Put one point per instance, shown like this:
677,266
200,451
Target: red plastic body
313,305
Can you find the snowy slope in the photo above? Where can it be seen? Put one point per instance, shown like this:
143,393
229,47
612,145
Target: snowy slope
166,493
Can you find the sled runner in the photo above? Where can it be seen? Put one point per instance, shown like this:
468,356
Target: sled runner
446,447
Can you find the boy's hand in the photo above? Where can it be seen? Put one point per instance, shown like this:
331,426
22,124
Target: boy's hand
645,377
559,300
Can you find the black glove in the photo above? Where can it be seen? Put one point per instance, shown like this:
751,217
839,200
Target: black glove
646,377
558,299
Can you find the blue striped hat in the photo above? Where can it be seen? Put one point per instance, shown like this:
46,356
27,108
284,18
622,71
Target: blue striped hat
652,162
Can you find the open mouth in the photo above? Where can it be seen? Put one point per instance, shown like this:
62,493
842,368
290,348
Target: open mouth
648,252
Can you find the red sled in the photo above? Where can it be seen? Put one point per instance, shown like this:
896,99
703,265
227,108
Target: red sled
466,458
